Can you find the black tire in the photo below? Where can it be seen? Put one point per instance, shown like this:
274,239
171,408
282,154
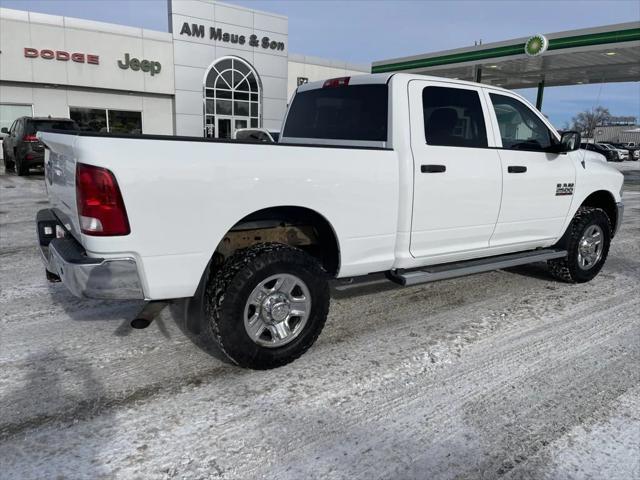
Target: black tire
229,288
568,269
19,168
8,164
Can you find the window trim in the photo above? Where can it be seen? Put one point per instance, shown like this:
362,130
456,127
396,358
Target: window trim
555,136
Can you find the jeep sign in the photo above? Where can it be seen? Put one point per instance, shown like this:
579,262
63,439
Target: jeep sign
135,64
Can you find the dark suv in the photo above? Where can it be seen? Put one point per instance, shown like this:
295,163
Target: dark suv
610,155
21,149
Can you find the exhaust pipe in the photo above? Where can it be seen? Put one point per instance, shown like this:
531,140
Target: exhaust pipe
150,311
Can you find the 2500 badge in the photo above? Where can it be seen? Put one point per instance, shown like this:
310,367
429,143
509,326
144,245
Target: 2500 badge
564,189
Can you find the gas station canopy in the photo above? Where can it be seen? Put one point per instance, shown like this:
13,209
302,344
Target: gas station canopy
595,55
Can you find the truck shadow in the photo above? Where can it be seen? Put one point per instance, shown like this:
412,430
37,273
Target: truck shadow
189,316
537,270
57,392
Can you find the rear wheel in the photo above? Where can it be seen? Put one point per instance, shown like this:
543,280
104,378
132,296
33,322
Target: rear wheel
267,305
587,244
20,169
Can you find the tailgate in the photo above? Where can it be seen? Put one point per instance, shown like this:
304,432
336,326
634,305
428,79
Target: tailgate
60,177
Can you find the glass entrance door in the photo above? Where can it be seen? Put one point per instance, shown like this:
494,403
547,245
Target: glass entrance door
223,127
232,97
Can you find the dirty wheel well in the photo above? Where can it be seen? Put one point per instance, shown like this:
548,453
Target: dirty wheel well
296,226
604,200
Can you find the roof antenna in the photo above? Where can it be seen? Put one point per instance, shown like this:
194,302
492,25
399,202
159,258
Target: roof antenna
593,134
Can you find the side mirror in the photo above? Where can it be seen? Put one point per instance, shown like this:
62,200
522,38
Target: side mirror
4,130
569,141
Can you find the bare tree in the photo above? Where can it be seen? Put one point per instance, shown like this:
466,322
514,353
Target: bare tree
585,122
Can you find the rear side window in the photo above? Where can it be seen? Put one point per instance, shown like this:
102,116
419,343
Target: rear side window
36,126
357,112
453,117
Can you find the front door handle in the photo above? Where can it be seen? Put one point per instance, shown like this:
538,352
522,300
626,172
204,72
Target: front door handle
516,169
432,168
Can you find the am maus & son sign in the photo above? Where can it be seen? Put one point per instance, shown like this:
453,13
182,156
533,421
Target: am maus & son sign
217,34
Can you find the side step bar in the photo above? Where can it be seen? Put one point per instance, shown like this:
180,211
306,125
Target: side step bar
469,267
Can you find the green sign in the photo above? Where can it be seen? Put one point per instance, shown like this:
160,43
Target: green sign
536,45
135,64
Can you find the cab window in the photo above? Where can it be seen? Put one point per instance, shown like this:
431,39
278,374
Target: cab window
520,128
453,117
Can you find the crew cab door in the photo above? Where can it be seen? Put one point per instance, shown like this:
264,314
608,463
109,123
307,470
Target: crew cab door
457,176
537,186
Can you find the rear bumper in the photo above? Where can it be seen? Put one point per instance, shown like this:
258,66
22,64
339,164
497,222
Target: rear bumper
31,157
84,276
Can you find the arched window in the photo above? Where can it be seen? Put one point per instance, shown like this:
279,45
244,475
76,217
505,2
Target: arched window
232,93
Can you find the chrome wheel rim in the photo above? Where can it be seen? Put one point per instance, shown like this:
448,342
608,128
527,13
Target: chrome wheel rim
277,310
590,247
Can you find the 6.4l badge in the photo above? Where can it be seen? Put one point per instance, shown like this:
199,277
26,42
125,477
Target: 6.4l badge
564,189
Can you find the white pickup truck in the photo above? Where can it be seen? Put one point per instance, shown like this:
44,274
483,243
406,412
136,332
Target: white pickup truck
420,177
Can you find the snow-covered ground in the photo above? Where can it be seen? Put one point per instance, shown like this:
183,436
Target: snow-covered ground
505,374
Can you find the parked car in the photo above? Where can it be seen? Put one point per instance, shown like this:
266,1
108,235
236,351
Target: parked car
609,153
633,153
21,149
254,135
419,177
623,154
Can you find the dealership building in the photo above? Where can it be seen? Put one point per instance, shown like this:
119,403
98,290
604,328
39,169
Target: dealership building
219,68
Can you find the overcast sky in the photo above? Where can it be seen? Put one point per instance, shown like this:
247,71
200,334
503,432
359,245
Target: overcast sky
363,31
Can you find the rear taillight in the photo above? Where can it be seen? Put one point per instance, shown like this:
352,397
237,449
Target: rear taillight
100,206
30,138
336,82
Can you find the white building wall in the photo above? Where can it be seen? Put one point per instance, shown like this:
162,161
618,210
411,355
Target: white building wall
20,29
51,86
315,69
193,56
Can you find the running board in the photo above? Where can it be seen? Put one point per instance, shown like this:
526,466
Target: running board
469,267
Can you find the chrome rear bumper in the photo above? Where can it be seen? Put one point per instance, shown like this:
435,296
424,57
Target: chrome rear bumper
84,276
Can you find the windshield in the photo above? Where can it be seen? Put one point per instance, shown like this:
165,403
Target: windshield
357,112
34,126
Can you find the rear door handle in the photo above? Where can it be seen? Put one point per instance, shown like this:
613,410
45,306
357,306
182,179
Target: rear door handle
432,168
516,169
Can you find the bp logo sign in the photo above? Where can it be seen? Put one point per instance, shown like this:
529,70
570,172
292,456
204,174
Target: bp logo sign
536,45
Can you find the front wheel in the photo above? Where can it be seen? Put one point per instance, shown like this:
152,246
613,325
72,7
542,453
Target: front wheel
8,164
587,244
267,305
